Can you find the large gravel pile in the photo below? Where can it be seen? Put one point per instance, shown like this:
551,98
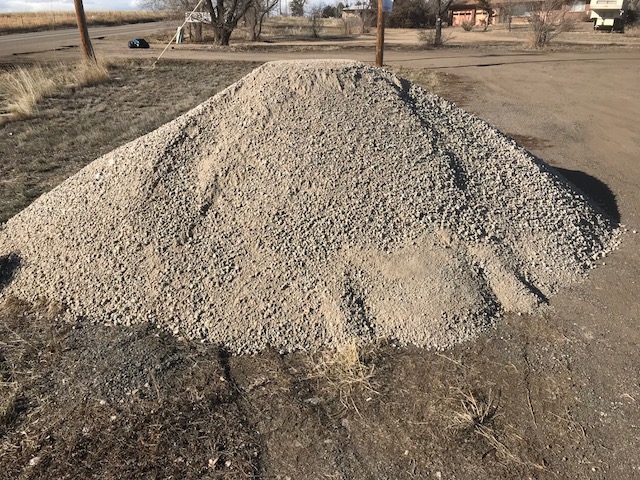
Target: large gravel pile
309,204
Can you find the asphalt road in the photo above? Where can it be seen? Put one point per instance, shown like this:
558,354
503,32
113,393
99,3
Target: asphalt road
51,41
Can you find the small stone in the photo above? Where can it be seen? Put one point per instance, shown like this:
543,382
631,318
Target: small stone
285,212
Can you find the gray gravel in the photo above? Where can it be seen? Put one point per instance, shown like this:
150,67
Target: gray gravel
312,203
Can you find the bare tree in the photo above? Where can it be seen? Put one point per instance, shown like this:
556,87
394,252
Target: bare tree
441,7
368,16
506,13
485,6
296,7
547,19
257,12
225,16
315,21
176,7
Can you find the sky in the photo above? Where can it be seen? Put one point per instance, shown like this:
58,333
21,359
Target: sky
60,5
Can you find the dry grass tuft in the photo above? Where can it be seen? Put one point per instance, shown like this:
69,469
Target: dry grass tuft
632,31
476,409
49,309
477,415
342,372
24,87
84,74
12,306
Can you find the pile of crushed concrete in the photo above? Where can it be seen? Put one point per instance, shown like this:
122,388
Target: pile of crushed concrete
310,204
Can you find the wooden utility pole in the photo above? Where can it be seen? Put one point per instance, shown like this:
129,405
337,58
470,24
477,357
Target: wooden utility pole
87,48
380,42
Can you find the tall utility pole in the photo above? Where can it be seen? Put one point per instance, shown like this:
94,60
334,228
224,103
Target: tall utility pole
380,40
87,48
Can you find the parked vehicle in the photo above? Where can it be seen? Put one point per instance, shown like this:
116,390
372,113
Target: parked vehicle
608,15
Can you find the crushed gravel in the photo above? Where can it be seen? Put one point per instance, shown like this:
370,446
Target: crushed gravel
309,204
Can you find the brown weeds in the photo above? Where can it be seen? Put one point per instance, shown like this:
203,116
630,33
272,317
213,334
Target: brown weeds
476,415
24,87
342,372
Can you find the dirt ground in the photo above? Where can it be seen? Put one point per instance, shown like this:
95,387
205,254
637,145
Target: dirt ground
550,395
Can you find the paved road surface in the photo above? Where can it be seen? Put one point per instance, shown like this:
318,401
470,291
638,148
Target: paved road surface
49,41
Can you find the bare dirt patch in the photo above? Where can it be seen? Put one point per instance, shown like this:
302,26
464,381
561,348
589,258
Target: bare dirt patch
123,402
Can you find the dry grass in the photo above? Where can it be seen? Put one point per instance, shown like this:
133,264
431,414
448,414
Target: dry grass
476,410
443,84
476,415
427,79
632,31
291,27
342,372
35,21
23,87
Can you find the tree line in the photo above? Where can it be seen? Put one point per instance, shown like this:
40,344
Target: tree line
546,18
226,14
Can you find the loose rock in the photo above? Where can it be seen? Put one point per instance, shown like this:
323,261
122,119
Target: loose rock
310,204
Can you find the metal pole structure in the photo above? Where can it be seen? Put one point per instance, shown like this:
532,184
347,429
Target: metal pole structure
87,48
380,42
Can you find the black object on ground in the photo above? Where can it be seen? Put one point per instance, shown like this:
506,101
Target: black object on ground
138,43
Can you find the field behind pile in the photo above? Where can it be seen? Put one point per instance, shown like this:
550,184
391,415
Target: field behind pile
20,22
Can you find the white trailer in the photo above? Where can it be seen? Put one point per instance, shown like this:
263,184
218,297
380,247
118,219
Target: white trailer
608,14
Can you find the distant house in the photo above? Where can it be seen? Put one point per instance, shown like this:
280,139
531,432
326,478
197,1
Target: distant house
357,11
469,11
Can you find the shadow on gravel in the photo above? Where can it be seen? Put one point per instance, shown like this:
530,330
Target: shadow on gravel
595,189
9,264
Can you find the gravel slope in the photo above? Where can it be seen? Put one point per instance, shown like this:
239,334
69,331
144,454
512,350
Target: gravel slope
307,205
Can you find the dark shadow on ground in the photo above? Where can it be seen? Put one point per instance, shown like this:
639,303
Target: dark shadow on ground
595,189
9,264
